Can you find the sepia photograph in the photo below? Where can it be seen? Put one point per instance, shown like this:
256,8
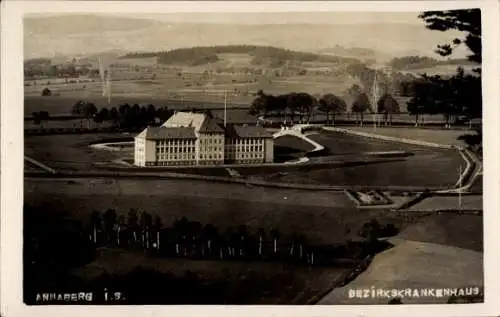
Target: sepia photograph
253,158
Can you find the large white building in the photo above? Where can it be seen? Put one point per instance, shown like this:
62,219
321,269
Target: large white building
189,138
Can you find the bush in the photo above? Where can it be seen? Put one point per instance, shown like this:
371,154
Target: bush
46,92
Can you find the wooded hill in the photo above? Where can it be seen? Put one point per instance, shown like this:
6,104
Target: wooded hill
261,55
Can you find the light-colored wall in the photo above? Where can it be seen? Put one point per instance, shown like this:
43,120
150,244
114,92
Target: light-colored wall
211,147
248,150
172,150
150,149
269,150
139,151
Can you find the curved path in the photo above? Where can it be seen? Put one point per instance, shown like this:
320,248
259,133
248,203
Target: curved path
296,132
473,167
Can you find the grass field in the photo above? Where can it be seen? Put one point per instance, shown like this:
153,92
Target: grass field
324,217
439,136
439,250
249,283
428,167
72,152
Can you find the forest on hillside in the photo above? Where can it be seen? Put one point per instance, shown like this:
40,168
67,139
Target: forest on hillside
272,56
416,62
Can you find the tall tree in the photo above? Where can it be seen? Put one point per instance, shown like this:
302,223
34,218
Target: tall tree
387,105
330,103
109,219
360,106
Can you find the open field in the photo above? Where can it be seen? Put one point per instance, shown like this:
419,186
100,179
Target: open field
467,202
435,167
72,152
456,230
236,112
278,283
423,251
323,217
439,136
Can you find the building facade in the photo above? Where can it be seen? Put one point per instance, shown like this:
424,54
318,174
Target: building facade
198,139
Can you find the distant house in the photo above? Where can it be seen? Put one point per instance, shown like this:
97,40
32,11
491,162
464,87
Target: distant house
189,138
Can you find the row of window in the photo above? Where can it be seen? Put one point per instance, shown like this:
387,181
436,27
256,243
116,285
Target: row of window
175,149
174,157
211,141
211,148
250,155
210,156
245,141
250,148
171,142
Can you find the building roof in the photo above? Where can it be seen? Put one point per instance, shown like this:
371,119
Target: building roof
186,125
161,133
185,119
211,125
251,132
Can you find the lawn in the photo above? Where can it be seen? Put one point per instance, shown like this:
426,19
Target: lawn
438,251
456,230
436,168
245,282
440,136
324,217
70,152
466,202
427,167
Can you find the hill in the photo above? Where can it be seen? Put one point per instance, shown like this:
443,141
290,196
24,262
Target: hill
260,55
84,33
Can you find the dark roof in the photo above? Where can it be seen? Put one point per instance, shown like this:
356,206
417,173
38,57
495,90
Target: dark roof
251,132
211,125
160,133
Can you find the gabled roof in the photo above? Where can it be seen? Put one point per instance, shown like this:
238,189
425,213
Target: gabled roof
161,133
211,125
251,132
185,119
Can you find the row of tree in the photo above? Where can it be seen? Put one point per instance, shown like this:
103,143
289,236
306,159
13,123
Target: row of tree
125,116
192,239
305,106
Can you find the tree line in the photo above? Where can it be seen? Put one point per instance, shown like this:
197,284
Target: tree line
305,105
194,240
125,116
415,62
260,55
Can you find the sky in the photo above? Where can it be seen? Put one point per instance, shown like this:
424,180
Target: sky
286,17
394,33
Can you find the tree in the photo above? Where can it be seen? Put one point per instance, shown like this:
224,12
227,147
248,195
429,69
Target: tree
387,105
360,106
39,117
132,223
46,92
120,224
96,223
421,100
262,234
330,103
157,226
243,239
109,218
467,21
275,235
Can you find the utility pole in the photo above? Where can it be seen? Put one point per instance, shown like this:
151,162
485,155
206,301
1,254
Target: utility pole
225,108
460,186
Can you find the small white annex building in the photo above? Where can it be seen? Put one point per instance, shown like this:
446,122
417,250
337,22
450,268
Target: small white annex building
189,138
